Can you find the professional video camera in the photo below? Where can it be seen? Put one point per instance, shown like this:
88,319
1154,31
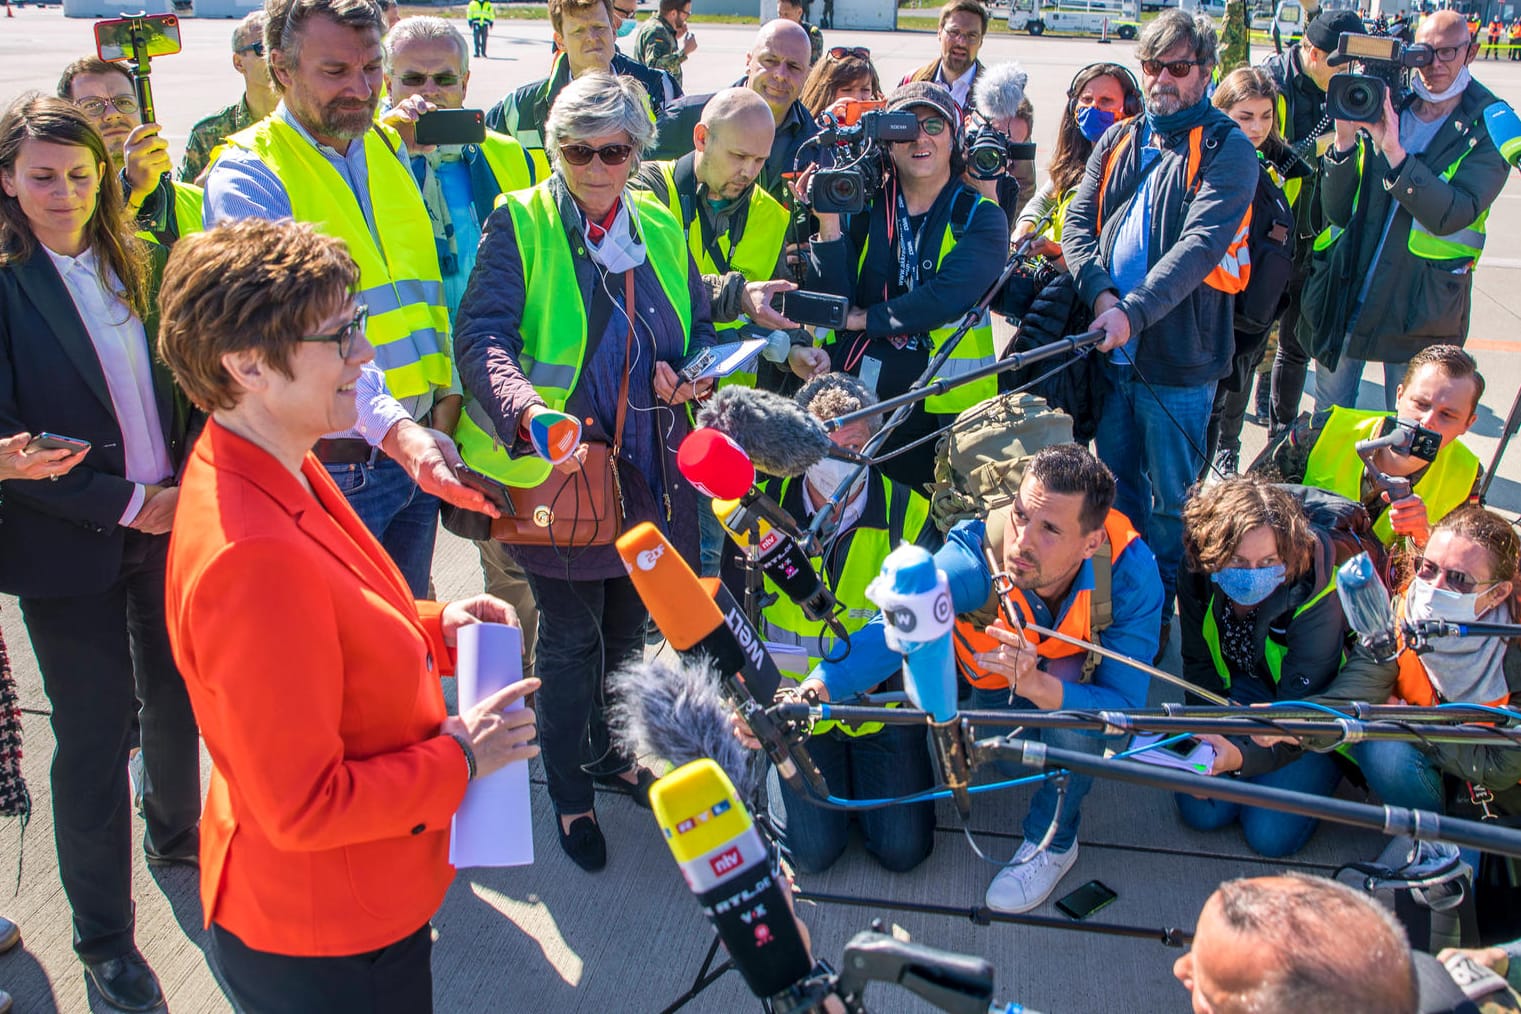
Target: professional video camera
1386,62
853,134
988,151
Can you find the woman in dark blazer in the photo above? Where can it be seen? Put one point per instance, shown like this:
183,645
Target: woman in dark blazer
85,552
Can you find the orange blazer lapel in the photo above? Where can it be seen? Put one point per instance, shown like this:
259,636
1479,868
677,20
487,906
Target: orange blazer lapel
341,532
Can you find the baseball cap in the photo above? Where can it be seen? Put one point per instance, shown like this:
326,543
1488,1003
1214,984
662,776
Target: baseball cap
927,93
1325,32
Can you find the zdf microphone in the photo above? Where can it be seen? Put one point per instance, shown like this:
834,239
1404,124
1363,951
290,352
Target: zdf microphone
728,866
915,598
1365,602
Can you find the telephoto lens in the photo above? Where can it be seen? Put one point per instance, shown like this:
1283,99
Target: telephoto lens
986,153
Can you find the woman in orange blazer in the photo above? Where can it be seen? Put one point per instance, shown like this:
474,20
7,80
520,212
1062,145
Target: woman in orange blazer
313,672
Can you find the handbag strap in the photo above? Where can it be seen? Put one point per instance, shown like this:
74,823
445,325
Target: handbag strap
628,357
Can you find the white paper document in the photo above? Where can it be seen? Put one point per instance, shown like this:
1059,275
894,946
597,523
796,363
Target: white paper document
494,824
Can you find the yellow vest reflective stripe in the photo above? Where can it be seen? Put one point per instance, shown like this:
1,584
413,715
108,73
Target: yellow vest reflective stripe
554,320
509,162
1059,215
755,255
1334,465
184,215
399,280
1273,651
973,351
1463,244
1331,233
784,622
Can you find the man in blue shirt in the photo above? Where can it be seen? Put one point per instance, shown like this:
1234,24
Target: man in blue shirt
1060,542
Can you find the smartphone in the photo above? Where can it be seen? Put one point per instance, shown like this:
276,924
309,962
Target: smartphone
1086,900
136,38
451,126
495,492
817,308
54,442
1182,748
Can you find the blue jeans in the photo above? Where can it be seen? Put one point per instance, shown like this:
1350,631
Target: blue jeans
1270,833
712,536
1147,436
1340,386
1401,774
397,512
894,762
1043,806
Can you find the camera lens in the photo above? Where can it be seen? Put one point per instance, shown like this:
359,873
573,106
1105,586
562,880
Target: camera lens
842,189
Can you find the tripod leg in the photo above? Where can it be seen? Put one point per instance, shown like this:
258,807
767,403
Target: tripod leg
706,976
1512,423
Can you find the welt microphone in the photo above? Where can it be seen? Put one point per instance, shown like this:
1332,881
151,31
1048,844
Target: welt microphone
915,598
1366,604
788,567
687,611
727,865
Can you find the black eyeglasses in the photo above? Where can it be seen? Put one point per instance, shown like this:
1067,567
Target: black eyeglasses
92,106
632,12
448,79
345,335
256,48
933,125
610,154
841,52
1458,581
1447,54
1177,68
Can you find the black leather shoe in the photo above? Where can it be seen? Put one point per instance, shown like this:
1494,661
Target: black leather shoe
10,936
640,790
186,853
126,982
584,843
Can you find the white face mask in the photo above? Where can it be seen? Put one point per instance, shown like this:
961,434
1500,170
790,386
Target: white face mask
826,475
619,250
1425,601
1418,85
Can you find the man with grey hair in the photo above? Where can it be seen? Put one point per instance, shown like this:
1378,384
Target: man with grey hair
1297,943
1155,242
320,157
258,99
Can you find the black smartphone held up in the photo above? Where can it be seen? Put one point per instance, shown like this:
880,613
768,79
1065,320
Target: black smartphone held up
1086,900
130,39
495,493
451,126
817,308
54,442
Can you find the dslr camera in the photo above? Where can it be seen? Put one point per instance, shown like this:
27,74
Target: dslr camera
853,135
988,151
1386,62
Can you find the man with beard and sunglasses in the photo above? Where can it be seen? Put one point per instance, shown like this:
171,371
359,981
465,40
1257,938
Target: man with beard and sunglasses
320,157
1154,240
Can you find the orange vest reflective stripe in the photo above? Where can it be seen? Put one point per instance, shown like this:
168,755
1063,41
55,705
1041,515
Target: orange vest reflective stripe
1077,622
1234,271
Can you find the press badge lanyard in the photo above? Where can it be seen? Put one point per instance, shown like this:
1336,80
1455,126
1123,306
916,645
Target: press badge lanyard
908,247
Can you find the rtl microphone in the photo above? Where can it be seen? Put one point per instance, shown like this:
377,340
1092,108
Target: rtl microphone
915,598
1365,602
779,437
718,467
728,866
785,563
701,617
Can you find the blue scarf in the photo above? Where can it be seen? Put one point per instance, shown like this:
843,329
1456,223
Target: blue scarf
1182,121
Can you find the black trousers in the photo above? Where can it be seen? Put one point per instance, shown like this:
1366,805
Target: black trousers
105,658
397,979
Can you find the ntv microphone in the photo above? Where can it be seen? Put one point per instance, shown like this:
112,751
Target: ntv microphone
728,866
699,617
1366,604
915,598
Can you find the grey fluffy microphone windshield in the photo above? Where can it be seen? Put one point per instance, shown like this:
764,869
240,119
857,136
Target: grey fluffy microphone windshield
674,711
779,437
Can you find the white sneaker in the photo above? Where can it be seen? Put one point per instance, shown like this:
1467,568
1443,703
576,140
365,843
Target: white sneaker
1027,882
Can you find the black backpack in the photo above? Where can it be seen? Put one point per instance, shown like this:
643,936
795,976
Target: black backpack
1270,240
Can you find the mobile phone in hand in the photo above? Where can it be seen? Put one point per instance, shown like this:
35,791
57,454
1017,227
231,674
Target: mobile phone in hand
495,492
451,126
54,442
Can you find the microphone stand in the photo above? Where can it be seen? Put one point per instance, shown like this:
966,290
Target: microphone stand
1418,632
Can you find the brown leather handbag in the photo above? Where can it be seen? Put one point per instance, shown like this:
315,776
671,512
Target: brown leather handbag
582,508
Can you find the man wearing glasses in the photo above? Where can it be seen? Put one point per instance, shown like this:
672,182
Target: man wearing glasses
963,25
258,101
1441,392
1154,241
164,210
1406,198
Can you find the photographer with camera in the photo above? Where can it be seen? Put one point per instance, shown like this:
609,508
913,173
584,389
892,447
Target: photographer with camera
925,248
1406,188
997,137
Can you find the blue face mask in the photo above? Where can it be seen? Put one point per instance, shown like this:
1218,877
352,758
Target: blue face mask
1093,121
1247,586
627,27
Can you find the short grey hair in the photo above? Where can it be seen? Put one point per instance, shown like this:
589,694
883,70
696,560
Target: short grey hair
249,30
831,395
424,28
999,90
1324,947
1174,27
597,104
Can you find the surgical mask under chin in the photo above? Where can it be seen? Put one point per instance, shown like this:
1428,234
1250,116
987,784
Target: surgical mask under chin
1425,601
1418,85
620,248
1247,586
825,477
627,28
1093,121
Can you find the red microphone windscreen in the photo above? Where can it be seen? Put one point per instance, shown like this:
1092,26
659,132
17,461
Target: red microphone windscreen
678,603
715,464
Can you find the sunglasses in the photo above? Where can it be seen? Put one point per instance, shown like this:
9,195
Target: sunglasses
610,154
1458,581
92,106
448,79
841,52
256,48
1177,68
345,335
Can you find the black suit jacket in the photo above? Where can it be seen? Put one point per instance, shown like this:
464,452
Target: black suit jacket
61,537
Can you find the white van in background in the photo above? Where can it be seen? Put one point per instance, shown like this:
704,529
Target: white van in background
1074,17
